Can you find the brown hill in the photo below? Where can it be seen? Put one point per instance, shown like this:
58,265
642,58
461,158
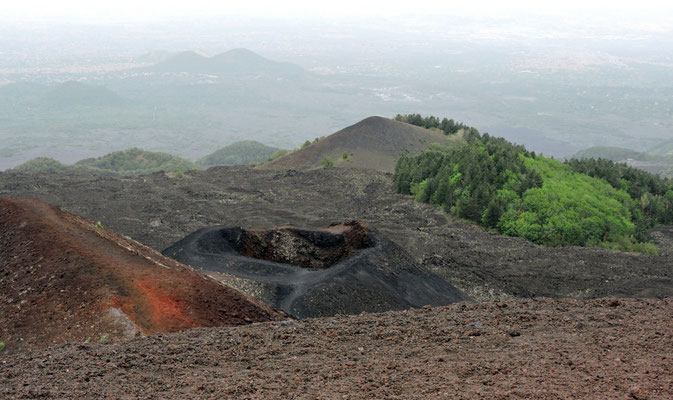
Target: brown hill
65,278
373,143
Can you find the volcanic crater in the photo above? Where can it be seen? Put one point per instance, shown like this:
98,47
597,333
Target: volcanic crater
314,249
346,268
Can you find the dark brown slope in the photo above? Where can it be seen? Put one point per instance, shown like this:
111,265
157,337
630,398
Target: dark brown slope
373,143
64,278
524,349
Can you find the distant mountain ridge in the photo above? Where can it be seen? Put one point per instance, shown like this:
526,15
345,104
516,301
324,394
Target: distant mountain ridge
657,161
664,148
614,154
233,62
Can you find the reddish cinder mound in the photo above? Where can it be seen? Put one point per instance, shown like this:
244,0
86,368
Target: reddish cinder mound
65,278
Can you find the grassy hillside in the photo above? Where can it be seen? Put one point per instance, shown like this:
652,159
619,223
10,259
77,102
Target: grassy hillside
132,162
46,164
373,143
505,188
239,153
137,161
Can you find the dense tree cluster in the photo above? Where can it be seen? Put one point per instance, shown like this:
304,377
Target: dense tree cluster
448,126
465,180
503,187
652,195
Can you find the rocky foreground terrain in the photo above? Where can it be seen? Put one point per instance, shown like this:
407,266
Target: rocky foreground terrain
535,349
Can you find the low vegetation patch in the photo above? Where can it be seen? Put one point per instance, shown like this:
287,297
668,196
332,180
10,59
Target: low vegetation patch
46,164
505,188
278,154
240,153
137,161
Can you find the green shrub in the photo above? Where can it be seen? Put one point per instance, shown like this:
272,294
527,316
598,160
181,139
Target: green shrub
278,154
344,156
327,162
649,249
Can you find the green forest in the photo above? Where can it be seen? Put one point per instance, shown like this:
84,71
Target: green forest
504,187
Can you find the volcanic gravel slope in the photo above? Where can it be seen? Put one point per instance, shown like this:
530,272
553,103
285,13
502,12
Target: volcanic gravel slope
534,349
64,278
374,143
158,210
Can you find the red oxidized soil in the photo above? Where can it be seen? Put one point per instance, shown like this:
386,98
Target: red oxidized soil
63,278
164,309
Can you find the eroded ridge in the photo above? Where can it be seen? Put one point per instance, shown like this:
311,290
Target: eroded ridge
64,278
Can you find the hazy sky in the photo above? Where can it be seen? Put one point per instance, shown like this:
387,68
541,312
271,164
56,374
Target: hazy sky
311,8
